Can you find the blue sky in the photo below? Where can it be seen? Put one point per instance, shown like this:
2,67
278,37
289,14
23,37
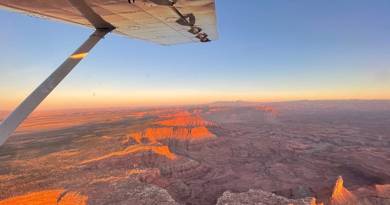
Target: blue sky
267,50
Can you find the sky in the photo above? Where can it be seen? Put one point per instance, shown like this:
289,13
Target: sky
275,50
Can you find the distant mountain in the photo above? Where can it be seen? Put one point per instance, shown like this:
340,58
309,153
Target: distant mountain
313,105
237,103
334,105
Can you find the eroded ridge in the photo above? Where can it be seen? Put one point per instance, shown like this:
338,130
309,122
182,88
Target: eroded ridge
195,154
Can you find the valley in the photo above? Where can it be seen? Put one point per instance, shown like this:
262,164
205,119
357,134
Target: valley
197,154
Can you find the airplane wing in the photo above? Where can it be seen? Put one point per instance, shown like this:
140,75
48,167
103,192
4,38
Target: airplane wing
160,21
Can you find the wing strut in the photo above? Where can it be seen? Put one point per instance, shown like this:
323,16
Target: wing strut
8,126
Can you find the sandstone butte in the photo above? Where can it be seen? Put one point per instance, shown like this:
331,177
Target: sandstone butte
160,150
181,125
340,194
49,197
153,135
185,121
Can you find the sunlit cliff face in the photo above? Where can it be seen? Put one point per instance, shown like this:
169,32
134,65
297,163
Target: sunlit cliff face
192,154
383,190
49,197
341,195
181,125
185,121
153,135
178,125
159,150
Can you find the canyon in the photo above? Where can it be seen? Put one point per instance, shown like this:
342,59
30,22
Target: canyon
305,152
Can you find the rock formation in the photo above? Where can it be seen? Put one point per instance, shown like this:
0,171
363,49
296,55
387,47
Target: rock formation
262,198
370,195
149,195
185,121
341,195
171,156
153,135
178,125
129,192
383,190
48,197
159,150
375,195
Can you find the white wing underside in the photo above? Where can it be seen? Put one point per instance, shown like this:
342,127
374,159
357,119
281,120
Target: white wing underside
160,21
147,20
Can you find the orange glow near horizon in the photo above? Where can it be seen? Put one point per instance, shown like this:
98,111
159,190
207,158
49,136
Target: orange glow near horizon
64,100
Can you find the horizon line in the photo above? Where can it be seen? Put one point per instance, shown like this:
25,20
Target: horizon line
193,104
